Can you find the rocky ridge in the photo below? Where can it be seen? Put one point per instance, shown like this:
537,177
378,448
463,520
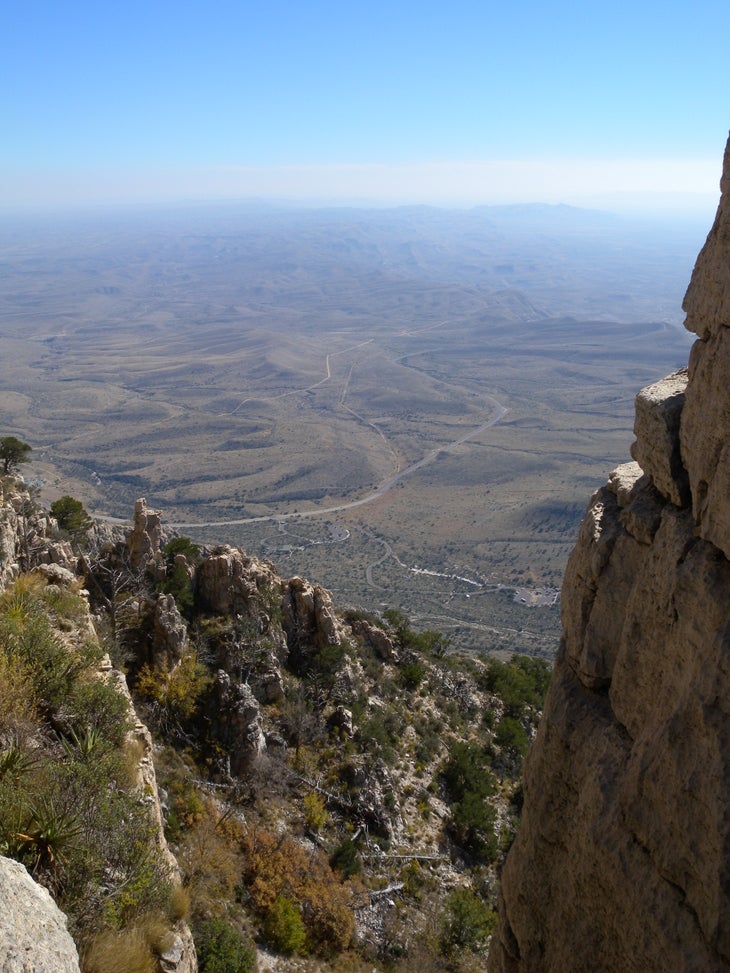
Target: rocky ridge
279,720
620,862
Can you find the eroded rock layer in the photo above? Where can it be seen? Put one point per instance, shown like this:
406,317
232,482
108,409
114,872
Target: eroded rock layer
622,861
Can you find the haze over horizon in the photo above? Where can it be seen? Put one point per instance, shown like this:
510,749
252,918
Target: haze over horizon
621,108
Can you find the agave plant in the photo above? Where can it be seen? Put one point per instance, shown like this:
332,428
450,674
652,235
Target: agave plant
82,744
16,762
49,830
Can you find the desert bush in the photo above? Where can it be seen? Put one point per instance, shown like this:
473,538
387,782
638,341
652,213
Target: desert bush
133,950
521,682
178,584
469,784
315,813
467,923
344,859
381,733
30,642
429,642
71,517
181,545
221,948
17,699
115,952
512,737
173,694
282,867
179,903
411,675
97,704
65,807
284,927
209,854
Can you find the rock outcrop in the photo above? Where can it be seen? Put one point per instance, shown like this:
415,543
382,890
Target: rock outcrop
33,933
144,542
238,720
621,861
170,634
26,540
309,618
230,581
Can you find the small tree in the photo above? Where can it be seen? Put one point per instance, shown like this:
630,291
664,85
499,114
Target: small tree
70,515
13,452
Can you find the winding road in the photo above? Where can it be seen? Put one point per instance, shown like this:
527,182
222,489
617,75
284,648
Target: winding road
499,412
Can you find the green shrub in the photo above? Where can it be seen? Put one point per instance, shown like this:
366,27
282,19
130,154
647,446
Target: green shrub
181,545
284,927
467,923
71,516
412,675
512,737
469,783
521,682
344,859
221,948
98,704
381,733
429,641
179,585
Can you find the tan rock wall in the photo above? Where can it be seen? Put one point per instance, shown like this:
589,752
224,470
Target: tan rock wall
622,860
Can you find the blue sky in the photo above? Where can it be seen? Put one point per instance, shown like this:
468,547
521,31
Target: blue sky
369,101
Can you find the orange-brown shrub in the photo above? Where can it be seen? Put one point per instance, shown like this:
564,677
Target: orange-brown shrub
281,867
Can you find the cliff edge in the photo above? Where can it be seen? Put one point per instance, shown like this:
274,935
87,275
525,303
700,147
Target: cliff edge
622,860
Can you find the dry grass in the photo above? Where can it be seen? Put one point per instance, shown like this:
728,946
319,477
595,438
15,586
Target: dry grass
119,952
130,950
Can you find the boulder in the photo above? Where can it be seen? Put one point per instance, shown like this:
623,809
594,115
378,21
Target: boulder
33,933
656,426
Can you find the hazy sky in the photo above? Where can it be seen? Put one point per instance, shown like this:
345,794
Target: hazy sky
459,102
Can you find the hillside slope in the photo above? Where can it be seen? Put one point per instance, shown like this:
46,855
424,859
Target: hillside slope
338,788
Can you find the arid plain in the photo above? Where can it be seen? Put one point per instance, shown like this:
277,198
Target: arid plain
420,401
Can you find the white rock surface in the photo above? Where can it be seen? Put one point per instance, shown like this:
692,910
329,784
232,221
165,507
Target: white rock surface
33,933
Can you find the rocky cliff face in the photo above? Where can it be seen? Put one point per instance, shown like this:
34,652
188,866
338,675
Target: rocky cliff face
622,859
25,536
33,931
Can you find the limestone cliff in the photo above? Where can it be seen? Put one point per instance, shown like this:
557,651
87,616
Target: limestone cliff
622,860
